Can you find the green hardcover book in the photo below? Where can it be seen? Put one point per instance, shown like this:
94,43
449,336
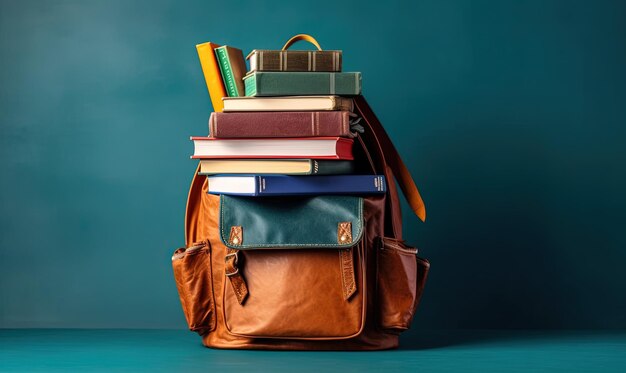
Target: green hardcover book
302,83
233,69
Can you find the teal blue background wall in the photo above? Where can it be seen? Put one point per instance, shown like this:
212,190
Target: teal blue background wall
511,116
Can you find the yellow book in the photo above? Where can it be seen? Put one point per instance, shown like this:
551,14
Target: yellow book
212,74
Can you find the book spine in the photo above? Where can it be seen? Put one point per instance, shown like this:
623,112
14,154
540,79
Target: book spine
254,58
343,151
212,128
322,167
237,67
343,103
321,185
259,186
262,167
250,85
288,84
212,75
280,124
227,72
296,61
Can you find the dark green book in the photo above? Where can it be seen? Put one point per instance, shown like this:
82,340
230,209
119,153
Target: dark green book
331,167
233,69
302,84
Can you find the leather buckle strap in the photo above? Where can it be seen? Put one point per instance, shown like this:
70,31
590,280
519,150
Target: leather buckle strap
346,259
231,270
234,255
193,207
228,270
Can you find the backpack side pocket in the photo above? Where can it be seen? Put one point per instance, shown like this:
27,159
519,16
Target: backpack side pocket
400,282
192,272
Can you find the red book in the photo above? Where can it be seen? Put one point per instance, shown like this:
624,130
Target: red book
307,147
280,124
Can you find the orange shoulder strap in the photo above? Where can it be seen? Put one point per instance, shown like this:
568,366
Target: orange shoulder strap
392,158
192,210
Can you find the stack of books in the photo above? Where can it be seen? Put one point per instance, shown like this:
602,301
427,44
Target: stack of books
285,127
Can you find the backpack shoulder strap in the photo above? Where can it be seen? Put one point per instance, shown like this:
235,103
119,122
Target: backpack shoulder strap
392,158
192,210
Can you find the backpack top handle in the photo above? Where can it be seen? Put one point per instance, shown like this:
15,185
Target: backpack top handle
299,37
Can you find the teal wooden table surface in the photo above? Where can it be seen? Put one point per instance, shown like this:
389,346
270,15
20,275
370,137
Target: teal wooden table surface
63,350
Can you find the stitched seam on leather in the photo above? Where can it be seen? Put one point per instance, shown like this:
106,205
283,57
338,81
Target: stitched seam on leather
184,296
347,272
236,232
343,277
236,287
213,318
399,248
359,214
344,229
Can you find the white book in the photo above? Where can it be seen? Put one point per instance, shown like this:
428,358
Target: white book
306,147
288,103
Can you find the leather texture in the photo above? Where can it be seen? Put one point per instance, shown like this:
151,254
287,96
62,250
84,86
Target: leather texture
234,275
203,218
392,165
293,222
400,279
344,232
294,294
354,297
192,272
280,124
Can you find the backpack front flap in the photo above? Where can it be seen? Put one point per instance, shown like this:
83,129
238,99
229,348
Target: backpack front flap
291,223
295,266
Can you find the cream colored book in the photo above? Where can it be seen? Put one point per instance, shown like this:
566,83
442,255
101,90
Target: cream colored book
275,166
288,103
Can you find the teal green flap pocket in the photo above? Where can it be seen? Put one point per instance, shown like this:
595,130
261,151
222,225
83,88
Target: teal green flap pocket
290,222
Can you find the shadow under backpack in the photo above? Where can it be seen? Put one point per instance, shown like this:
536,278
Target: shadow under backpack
316,273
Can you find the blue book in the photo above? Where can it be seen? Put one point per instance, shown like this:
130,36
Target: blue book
281,185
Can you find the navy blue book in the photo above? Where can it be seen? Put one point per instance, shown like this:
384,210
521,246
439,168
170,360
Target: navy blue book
281,185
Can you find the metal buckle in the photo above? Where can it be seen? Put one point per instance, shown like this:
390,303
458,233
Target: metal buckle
235,254
229,274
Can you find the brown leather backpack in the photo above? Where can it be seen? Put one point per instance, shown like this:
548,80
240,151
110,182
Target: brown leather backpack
321,273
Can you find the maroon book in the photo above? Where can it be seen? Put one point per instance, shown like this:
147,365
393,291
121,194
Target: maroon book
280,124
